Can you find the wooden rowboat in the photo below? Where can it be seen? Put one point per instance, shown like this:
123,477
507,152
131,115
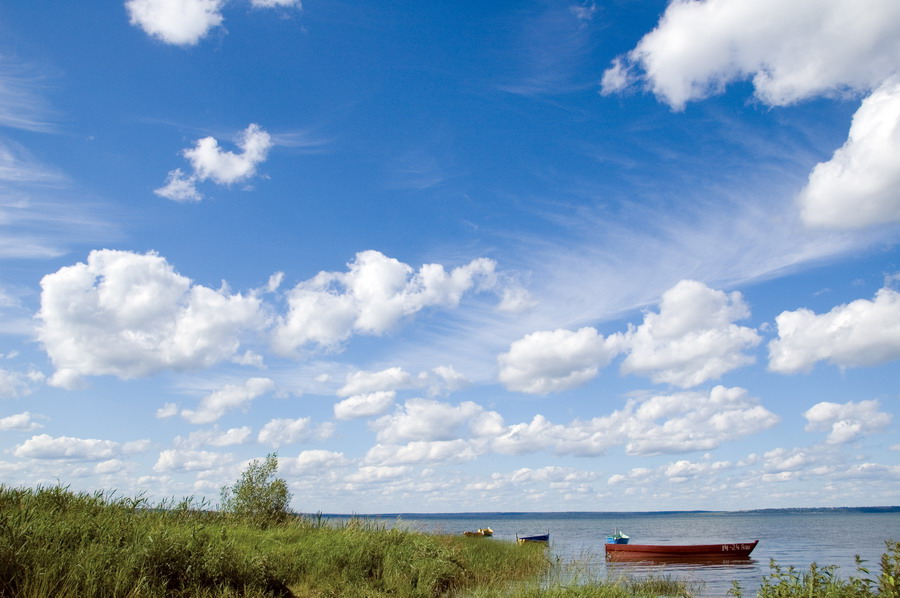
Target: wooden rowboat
631,552
545,538
481,533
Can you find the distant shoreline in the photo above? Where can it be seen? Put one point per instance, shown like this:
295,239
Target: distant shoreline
586,514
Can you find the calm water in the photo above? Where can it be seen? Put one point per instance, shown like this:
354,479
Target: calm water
789,537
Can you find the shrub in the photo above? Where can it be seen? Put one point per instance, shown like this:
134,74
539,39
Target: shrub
258,495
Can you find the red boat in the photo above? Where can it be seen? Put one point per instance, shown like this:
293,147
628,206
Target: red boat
630,552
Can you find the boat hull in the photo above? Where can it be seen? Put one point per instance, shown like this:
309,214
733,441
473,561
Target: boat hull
735,550
545,538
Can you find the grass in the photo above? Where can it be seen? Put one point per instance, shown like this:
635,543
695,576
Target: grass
823,582
54,542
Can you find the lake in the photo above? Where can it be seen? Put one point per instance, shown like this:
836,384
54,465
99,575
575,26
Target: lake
791,537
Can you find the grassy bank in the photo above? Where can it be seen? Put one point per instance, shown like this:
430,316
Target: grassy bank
58,543
54,542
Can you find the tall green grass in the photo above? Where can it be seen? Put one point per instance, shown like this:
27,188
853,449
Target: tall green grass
824,582
54,542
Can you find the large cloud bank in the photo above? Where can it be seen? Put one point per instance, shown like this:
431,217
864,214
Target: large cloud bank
131,315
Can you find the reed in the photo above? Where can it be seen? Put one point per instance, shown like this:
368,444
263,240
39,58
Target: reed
54,542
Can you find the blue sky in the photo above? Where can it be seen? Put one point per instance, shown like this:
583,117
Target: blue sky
466,256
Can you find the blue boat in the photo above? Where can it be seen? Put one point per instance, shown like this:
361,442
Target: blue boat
545,538
617,537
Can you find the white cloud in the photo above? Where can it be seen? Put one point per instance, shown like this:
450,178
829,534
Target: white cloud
428,420
683,471
442,380
167,410
692,339
174,460
45,446
362,382
677,423
19,421
372,297
848,421
312,461
365,405
859,333
438,381
860,185
179,187
275,3
215,437
791,51
231,396
19,384
110,466
554,360
131,315
210,162
281,432
369,474
695,421
177,22
439,451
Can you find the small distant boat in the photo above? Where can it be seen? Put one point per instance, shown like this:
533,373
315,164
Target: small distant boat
631,552
545,538
481,533
617,537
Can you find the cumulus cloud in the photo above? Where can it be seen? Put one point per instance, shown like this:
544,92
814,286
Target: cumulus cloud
554,360
364,405
19,421
214,437
176,460
45,446
693,338
231,396
186,22
363,382
370,474
860,185
372,297
429,420
211,162
313,461
806,49
177,22
281,432
848,421
676,423
859,333
417,452
131,315
167,410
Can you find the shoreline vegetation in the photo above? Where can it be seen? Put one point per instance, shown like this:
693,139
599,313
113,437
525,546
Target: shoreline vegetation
55,542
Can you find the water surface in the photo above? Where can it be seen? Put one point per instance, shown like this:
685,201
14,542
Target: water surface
792,538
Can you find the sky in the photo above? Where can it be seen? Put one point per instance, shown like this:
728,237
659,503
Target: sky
540,255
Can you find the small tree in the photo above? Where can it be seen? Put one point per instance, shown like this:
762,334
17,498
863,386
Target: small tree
258,495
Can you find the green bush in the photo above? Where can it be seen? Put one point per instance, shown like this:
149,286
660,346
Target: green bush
258,495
